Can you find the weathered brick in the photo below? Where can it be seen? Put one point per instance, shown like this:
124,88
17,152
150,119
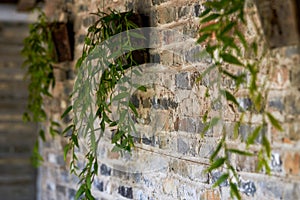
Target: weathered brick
245,130
105,170
126,192
190,125
215,176
179,167
276,162
292,163
183,81
211,195
183,146
197,10
166,15
292,103
276,104
183,11
245,104
99,185
60,192
71,193
248,187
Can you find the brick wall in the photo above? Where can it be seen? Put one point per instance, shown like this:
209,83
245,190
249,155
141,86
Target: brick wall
169,162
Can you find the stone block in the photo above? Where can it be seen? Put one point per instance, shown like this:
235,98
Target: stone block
182,81
186,191
245,130
183,11
169,186
247,187
197,10
182,146
211,195
99,185
292,103
166,15
291,163
71,194
60,192
189,124
244,104
276,104
125,192
105,170
179,167
215,176
196,173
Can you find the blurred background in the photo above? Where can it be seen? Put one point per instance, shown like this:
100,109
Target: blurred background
17,175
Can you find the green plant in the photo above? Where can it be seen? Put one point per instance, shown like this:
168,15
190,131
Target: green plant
113,71
39,56
222,25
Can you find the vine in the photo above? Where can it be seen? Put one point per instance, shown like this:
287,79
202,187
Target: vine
221,31
113,72
39,53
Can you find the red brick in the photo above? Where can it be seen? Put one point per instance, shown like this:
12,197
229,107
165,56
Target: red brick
292,163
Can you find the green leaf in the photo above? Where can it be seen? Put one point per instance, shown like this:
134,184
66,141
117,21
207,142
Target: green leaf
96,167
242,38
75,140
89,195
266,144
210,17
80,191
53,131
229,97
206,71
42,135
116,148
136,35
251,138
68,128
120,96
117,136
66,150
114,123
254,47
142,88
227,28
214,121
218,5
234,191
205,12
122,116
230,59
203,37
274,121
26,117
87,41
53,123
215,153
239,152
67,111
221,179
216,164
132,107
211,27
